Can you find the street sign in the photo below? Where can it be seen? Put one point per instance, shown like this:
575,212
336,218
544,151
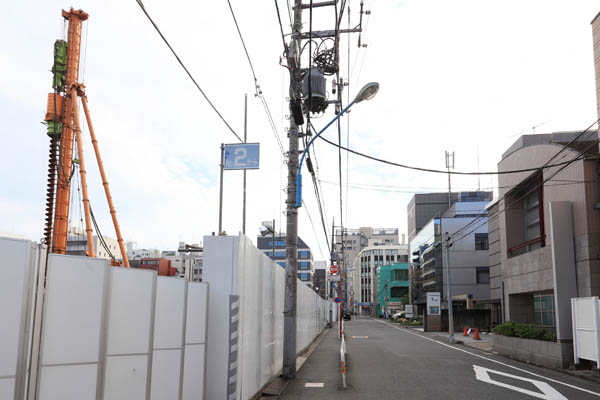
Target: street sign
241,156
337,300
333,269
409,311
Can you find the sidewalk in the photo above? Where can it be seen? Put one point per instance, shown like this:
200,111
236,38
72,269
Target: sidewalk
484,344
321,372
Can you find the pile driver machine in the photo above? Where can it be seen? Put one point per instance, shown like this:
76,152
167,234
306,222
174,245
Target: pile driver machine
64,130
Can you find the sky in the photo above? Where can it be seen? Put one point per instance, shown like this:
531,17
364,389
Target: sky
463,76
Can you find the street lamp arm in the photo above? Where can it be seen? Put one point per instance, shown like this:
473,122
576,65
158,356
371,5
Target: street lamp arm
299,175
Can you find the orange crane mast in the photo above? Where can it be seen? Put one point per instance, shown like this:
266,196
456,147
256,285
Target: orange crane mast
64,127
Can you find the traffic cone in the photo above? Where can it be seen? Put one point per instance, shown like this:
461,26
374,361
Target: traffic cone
465,333
476,335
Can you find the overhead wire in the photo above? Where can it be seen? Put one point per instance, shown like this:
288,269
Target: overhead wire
143,8
516,171
581,155
577,137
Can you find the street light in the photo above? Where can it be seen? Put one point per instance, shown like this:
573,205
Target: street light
366,93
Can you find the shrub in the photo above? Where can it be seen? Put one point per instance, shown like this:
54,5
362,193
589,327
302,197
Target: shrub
525,331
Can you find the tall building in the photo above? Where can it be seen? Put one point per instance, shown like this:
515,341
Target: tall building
348,243
424,206
305,265
546,230
363,292
466,221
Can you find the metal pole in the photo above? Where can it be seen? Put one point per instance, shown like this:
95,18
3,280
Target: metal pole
291,243
111,206
449,290
83,174
448,167
246,141
221,189
273,244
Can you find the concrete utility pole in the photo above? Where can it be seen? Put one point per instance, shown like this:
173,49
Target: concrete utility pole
246,141
291,243
449,290
449,164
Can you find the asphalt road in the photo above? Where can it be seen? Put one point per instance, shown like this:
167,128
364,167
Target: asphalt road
386,361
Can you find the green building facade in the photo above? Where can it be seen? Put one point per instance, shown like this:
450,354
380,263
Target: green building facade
392,286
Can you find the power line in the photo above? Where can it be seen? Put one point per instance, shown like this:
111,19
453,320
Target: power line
256,85
139,2
437,171
580,156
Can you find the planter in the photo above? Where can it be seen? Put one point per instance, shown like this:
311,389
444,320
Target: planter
539,352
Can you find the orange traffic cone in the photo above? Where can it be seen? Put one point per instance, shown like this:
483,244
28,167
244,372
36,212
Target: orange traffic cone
465,333
476,335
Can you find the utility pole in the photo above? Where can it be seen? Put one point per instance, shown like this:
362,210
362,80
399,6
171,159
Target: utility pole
449,289
449,164
246,141
291,243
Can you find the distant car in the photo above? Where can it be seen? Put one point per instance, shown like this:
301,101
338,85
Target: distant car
399,314
347,317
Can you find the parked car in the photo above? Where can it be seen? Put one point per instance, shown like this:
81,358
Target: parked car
347,316
399,314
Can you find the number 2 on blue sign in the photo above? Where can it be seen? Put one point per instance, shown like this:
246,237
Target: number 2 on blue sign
239,158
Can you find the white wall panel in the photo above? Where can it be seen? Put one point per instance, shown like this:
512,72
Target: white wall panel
166,367
69,382
73,309
126,378
130,312
16,256
193,372
168,322
195,325
7,388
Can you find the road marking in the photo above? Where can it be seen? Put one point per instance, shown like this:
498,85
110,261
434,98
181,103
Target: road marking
314,384
360,337
548,392
491,359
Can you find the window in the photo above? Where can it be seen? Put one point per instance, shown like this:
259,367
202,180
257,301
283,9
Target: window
304,276
400,274
303,254
543,309
303,265
524,216
483,275
398,291
481,241
282,263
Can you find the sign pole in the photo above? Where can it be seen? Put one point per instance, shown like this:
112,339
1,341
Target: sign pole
221,189
245,141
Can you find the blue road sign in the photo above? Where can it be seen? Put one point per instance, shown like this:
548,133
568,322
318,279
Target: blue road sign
337,299
241,156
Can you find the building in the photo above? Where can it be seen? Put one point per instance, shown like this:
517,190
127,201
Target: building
161,265
187,259
548,226
133,253
306,269
466,222
77,245
348,243
364,286
392,288
320,278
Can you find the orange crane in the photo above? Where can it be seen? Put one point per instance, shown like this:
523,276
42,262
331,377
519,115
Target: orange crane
64,128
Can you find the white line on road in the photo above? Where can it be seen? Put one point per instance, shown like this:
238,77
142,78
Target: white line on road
547,391
491,359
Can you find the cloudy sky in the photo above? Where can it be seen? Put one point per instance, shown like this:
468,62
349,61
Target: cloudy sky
464,76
